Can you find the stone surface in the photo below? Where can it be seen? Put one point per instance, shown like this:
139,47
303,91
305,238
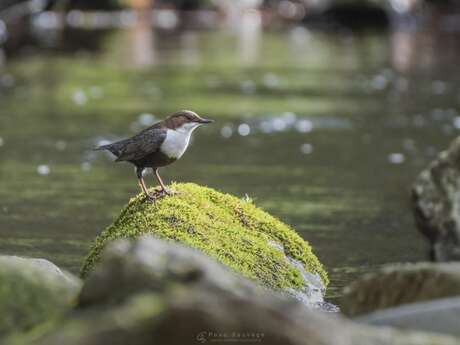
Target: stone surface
32,291
438,316
401,284
436,204
233,231
156,292
156,265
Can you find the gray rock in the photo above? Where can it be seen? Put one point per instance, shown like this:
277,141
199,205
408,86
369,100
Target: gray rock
32,291
439,316
401,284
156,292
436,204
150,264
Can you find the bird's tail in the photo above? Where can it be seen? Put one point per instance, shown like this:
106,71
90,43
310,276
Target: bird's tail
114,148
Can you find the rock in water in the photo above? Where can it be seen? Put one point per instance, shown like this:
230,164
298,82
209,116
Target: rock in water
437,316
32,291
395,285
151,291
436,203
233,231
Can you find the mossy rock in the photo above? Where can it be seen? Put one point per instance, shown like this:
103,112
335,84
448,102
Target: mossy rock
33,291
231,230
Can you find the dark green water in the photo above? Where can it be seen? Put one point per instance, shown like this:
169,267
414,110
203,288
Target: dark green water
339,126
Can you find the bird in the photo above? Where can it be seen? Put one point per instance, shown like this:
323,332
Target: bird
157,146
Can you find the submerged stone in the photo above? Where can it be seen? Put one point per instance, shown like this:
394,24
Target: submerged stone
32,291
233,231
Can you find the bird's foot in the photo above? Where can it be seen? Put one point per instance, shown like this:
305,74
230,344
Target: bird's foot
169,192
163,192
151,198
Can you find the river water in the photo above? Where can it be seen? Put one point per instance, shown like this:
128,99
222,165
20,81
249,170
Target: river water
325,131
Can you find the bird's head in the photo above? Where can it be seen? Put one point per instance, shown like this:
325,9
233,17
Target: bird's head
185,121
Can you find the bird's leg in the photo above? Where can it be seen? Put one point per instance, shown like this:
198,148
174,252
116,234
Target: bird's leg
164,190
140,179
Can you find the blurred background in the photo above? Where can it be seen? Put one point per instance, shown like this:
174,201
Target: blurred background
325,112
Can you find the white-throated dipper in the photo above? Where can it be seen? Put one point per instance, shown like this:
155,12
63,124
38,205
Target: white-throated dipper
157,146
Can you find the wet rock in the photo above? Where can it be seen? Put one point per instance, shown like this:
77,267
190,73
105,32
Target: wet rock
401,284
150,291
32,291
436,204
233,231
438,316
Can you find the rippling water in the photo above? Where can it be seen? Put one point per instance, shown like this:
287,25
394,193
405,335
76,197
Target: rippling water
327,132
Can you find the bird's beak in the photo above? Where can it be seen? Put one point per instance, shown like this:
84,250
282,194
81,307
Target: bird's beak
205,121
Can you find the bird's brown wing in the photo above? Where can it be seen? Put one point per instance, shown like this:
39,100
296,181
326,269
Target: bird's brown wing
142,144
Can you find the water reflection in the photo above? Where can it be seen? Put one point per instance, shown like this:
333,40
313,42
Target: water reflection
3,38
419,49
406,53
249,31
190,48
142,40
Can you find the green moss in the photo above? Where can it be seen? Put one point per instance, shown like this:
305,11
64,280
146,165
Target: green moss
32,293
234,231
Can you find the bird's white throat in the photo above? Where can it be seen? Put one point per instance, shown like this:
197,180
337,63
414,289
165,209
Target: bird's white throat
177,140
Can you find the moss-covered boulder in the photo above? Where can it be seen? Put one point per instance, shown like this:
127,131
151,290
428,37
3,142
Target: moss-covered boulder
233,231
32,291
